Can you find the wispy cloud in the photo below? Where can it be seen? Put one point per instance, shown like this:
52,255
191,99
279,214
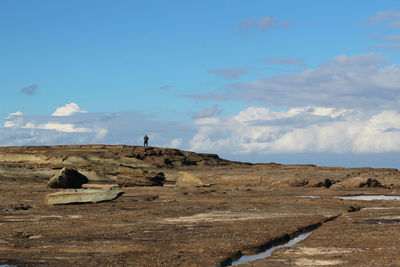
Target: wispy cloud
384,16
262,23
384,47
30,90
359,81
208,112
233,73
166,87
393,24
285,61
394,38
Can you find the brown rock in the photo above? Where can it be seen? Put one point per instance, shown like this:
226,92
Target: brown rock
188,179
127,176
73,196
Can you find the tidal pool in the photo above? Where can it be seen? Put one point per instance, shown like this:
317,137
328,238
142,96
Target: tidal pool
268,252
370,197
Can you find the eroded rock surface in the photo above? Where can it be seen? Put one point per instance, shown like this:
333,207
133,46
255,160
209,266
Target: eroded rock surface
96,162
128,176
247,207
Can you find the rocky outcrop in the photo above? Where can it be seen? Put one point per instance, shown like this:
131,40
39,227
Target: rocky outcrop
67,178
128,176
96,162
74,196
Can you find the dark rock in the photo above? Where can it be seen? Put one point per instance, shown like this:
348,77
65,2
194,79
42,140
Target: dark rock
67,178
371,183
327,183
353,209
21,207
168,162
190,161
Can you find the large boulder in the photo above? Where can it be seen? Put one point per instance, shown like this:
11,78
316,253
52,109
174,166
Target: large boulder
128,176
74,196
188,179
67,178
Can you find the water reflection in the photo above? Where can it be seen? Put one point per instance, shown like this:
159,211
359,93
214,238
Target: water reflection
370,197
268,252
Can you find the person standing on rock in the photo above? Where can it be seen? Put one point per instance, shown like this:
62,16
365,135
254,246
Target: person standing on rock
146,140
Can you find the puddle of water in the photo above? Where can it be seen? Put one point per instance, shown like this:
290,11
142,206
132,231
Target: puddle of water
382,222
310,196
268,252
371,197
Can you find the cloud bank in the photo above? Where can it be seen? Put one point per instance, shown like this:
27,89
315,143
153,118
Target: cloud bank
300,130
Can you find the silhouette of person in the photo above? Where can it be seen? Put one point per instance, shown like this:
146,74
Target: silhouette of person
146,140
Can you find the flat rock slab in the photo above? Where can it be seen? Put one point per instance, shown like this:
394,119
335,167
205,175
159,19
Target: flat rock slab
189,179
99,186
74,196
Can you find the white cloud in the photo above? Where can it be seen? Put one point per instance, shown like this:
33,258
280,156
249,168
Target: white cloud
100,134
175,143
301,130
207,121
253,131
17,113
68,109
8,124
61,127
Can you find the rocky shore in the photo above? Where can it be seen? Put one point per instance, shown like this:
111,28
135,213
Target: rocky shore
202,211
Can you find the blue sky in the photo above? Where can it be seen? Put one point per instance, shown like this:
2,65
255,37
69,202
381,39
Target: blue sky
286,81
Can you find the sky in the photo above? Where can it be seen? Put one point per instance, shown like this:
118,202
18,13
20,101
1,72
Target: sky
293,82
